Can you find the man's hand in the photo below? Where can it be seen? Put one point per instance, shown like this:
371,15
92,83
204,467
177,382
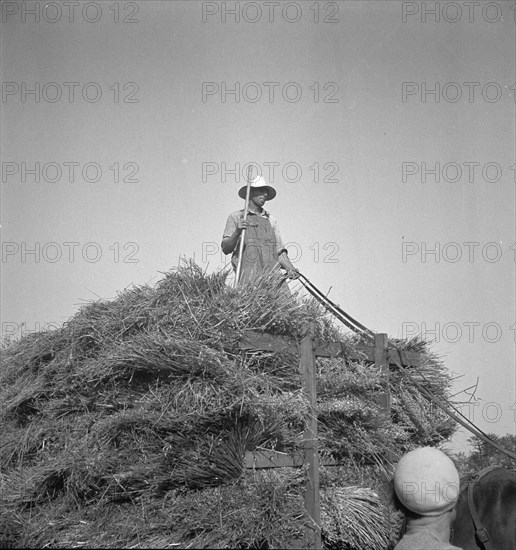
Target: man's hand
286,264
241,225
293,273
229,243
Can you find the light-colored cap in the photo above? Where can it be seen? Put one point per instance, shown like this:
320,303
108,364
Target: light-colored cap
427,482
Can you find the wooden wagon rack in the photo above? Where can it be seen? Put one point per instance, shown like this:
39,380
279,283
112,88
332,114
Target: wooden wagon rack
308,349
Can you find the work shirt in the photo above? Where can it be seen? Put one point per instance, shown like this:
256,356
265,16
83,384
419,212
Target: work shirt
262,245
422,538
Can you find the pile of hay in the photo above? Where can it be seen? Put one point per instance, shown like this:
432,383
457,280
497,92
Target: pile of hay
128,425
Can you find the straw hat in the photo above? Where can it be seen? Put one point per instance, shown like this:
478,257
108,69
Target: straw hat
427,482
258,182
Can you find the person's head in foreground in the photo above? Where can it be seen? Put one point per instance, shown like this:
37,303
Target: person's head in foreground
426,483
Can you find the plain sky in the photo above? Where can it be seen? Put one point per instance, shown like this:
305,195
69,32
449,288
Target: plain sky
134,116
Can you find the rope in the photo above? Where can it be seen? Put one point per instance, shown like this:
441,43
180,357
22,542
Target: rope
456,415
357,327
333,308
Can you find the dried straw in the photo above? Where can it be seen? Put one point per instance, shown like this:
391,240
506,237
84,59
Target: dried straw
128,425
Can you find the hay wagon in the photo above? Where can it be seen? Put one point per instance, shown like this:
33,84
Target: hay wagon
194,415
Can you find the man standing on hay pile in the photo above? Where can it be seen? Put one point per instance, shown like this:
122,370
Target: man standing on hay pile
263,248
427,486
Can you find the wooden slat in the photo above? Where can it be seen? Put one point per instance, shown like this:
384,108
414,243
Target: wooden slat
311,457
408,358
380,352
362,352
327,349
381,361
333,349
259,341
265,459
272,459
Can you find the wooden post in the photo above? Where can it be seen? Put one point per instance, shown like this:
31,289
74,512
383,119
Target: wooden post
311,458
381,360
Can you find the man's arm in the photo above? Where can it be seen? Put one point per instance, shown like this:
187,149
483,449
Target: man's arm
234,228
283,259
285,263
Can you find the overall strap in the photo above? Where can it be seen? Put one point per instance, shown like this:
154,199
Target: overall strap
480,531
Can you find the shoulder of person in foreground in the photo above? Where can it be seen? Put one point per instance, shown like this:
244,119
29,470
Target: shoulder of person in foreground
420,541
